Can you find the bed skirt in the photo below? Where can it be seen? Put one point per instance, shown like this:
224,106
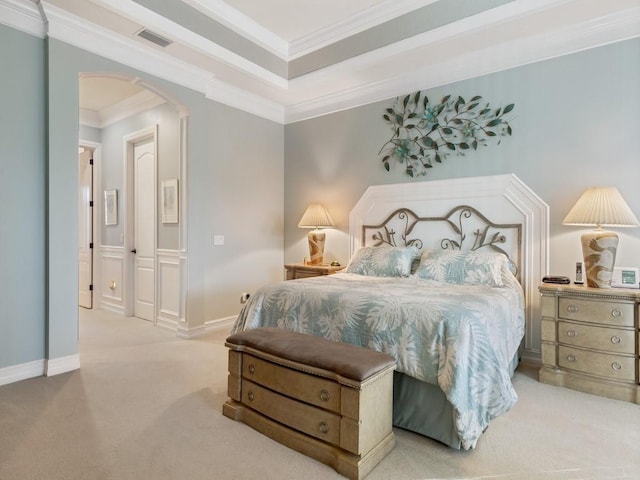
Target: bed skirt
410,396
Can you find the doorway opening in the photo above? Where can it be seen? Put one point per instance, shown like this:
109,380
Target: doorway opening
137,263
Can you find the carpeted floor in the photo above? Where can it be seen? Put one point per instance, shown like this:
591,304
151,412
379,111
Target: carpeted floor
147,405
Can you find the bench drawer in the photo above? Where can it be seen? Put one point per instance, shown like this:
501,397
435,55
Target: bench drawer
311,420
317,391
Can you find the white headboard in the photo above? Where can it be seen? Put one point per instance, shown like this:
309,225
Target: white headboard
498,212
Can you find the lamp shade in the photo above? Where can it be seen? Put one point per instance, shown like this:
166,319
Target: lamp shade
315,216
601,206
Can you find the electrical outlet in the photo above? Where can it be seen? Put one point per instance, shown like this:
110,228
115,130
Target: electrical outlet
244,297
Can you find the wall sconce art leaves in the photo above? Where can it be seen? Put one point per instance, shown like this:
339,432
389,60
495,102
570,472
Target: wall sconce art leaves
425,133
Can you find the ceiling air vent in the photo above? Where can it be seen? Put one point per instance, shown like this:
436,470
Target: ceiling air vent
154,38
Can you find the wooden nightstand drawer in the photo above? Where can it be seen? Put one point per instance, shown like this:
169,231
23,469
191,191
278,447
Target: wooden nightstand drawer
595,363
298,385
608,313
613,340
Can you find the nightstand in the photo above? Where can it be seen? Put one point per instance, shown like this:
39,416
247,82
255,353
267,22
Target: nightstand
590,340
300,270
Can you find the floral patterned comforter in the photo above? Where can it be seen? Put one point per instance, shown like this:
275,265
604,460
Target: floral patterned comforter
459,337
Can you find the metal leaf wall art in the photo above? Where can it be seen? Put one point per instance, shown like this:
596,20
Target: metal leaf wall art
425,133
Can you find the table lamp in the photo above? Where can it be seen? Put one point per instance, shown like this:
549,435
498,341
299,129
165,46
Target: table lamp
316,216
600,207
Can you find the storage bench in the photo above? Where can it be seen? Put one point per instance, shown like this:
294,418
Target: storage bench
328,400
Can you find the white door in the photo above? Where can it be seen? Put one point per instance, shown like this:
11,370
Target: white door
144,218
85,229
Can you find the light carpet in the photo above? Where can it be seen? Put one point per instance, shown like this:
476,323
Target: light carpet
147,405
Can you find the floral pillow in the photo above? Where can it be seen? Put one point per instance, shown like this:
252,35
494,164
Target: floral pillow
463,267
383,261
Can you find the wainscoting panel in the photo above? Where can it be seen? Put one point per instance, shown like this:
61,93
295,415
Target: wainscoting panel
168,311
111,279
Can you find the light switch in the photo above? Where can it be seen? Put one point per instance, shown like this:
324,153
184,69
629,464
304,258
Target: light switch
218,239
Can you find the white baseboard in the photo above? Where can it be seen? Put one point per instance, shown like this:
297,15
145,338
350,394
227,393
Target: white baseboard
56,366
23,371
221,323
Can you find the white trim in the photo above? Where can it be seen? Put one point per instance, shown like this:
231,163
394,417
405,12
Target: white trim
101,41
186,332
474,62
243,25
183,36
22,371
357,23
137,103
372,77
221,324
56,366
23,16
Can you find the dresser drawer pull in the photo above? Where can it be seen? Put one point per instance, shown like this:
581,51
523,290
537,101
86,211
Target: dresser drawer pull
252,368
572,308
572,358
572,333
250,396
616,366
615,313
323,427
324,395
616,339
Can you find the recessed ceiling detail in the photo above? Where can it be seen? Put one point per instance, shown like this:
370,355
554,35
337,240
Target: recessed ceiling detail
461,41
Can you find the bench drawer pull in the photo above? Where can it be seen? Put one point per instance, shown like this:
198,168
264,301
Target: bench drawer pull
324,395
252,368
323,427
250,396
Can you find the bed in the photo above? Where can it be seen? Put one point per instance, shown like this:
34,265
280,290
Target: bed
445,295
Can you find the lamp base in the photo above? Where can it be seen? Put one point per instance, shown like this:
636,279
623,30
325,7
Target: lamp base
599,251
316,247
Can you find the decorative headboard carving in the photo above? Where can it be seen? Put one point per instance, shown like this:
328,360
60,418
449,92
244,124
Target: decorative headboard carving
401,229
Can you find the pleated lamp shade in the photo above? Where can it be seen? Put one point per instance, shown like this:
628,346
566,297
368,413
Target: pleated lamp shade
316,216
600,206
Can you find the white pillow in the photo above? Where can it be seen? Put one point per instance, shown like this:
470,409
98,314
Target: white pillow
463,267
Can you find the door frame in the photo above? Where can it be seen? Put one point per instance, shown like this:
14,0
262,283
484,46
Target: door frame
129,141
95,217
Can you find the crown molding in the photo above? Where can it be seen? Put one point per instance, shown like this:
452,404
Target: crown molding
189,39
615,27
359,22
140,102
333,88
23,16
242,25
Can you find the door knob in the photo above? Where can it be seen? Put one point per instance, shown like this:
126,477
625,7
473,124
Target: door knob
133,251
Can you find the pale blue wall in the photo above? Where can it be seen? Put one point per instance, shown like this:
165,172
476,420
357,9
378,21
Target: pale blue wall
166,117
22,196
575,124
38,186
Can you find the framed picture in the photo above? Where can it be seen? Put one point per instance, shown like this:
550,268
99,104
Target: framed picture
170,201
111,207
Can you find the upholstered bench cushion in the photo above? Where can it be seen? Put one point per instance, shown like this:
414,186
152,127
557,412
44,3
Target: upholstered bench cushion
346,360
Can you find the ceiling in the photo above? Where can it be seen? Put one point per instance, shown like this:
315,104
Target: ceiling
289,60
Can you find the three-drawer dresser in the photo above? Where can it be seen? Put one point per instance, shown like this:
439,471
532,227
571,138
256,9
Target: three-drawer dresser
590,340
